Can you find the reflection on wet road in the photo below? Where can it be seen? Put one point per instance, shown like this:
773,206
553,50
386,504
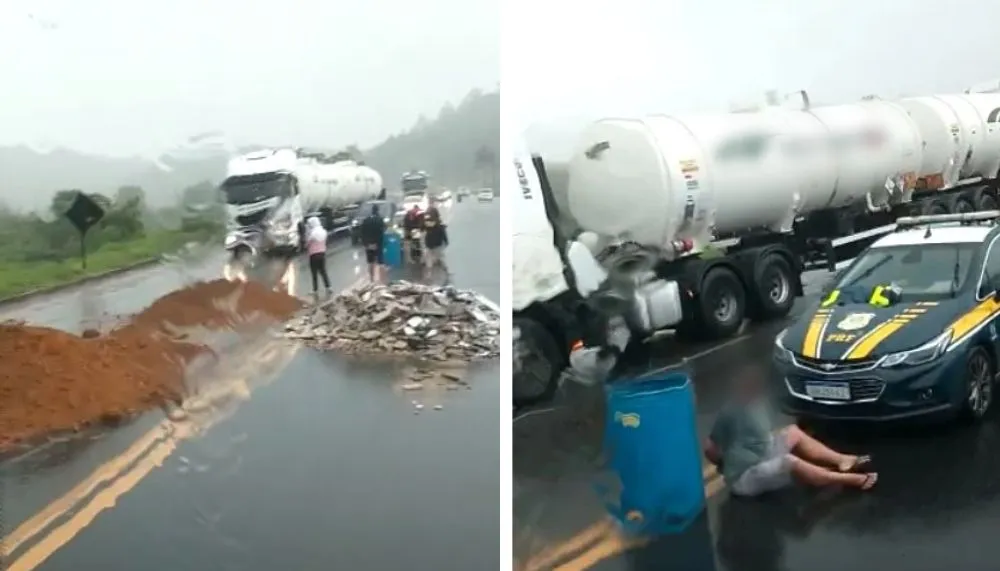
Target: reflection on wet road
934,507
324,467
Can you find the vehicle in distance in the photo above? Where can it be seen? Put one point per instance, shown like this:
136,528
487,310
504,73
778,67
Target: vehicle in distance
386,208
485,195
415,182
418,200
908,329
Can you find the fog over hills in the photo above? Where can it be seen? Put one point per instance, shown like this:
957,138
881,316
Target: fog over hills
445,146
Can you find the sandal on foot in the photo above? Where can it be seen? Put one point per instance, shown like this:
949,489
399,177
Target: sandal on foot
859,462
871,479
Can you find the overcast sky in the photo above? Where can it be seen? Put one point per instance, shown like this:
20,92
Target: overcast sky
630,57
124,76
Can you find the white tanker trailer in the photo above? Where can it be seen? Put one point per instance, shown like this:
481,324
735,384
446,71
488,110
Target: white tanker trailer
269,193
703,221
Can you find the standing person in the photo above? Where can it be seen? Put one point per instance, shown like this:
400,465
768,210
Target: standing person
411,223
372,236
316,247
755,456
435,239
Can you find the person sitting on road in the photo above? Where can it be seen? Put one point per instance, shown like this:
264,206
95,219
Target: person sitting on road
316,247
372,236
755,456
435,239
412,222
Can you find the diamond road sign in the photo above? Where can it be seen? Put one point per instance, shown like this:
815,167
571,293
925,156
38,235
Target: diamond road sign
84,212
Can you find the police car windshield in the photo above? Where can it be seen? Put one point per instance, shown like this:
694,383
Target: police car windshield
921,271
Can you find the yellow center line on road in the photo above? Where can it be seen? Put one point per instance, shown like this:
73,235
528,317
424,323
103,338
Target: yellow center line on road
104,473
147,453
603,540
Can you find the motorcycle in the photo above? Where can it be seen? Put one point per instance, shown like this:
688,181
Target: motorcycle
244,246
416,245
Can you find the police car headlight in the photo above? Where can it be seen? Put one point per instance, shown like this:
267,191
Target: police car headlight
925,353
781,353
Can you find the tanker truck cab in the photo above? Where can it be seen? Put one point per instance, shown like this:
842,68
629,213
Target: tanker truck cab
551,280
908,329
263,210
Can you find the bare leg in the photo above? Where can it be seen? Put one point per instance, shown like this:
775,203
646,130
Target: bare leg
812,449
818,476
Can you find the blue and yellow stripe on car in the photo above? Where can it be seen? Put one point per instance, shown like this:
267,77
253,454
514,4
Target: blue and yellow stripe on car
813,341
974,319
864,346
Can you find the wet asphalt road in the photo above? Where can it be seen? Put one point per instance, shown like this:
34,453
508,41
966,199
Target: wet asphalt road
310,462
935,506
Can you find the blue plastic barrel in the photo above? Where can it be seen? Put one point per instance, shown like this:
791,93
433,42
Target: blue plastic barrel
651,443
392,250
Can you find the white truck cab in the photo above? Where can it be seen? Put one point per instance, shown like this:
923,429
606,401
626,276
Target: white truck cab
552,278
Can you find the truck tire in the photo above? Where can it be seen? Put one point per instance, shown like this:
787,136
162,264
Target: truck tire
537,378
935,207
986,202
964,202
774,295
721,304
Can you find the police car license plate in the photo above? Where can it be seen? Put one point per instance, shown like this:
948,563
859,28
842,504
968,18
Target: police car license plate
829,391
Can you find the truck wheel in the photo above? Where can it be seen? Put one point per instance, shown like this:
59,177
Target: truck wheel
774,298
536,376
986,202
935,207
963,206
721,303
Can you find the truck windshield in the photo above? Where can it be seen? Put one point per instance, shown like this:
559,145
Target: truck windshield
921,271
414,184
254,188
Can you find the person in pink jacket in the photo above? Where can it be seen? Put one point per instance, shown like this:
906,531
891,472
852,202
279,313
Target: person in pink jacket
316,247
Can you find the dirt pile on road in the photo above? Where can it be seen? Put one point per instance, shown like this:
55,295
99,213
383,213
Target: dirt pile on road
52,381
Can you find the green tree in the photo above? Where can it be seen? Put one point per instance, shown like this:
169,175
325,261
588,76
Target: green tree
486,162
131,193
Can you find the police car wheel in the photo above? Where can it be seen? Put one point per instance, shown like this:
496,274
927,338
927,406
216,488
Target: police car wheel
536,370
722,303
979,376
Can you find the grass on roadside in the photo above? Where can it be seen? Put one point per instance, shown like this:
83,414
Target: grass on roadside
22,277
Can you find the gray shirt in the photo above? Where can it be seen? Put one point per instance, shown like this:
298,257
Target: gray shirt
742,432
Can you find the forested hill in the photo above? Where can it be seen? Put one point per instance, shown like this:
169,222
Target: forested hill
459,147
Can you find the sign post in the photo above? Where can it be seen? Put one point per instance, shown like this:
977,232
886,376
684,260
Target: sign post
83,214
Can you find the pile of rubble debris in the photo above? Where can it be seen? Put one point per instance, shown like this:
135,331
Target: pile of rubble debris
403,319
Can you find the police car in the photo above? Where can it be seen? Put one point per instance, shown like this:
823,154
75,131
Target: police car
908,329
